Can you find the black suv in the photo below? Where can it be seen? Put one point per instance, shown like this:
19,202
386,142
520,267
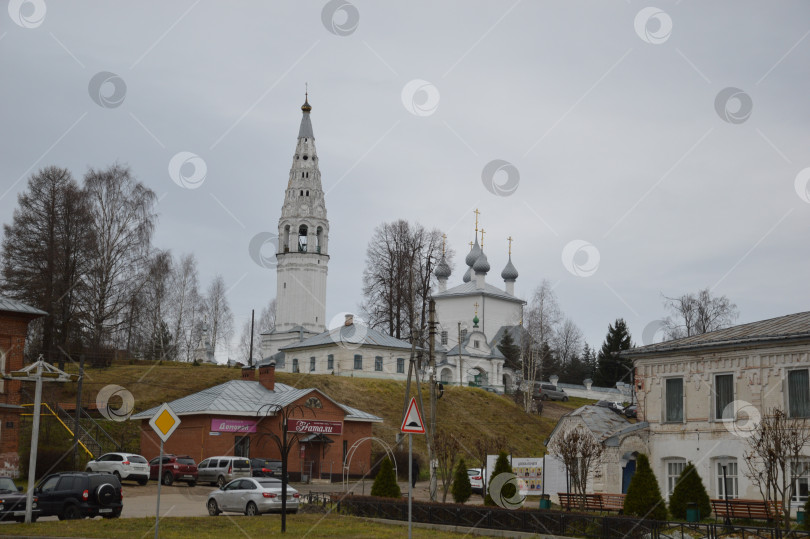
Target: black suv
12,502
72,495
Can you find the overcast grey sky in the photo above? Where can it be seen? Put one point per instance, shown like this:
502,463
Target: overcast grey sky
613,114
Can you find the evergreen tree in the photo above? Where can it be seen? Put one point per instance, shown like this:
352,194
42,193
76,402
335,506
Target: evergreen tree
689,488
609,368
501,466
510,351
461,489
575,371
643,495
549,362
385,484
589,361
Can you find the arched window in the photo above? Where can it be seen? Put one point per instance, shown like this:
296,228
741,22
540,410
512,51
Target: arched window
295,365
286,238
302,239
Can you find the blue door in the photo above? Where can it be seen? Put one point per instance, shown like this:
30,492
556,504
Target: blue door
627,475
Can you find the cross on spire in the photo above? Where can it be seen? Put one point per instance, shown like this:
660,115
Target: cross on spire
482,239
476,308
444,240
510,245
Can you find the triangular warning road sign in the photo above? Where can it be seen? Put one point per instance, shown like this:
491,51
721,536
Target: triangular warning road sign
413,424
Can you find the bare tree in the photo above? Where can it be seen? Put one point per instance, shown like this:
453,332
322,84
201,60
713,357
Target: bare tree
122,226
567,341
581,453
541,321
775,456
45,255
695,314
218,311
185,305
267,319
398,277
446,449
156,295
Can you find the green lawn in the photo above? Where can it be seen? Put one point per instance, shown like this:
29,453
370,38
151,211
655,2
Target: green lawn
302,525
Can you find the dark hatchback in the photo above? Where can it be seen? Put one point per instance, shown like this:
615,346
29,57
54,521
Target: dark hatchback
12,502
265,467
72,495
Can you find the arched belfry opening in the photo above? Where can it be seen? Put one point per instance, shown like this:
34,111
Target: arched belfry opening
319,240
286,239
302,238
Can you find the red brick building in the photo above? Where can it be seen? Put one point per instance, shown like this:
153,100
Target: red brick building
239,418
14,319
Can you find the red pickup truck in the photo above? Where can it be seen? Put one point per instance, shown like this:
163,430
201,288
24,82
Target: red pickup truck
175,468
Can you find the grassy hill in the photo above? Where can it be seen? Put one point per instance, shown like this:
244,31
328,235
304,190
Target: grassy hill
466,413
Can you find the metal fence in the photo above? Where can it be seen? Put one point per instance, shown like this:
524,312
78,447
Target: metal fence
555,522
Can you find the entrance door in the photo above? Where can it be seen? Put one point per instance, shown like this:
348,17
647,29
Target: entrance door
627,475
313,454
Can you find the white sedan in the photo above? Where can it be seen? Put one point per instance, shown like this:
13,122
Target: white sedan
252,497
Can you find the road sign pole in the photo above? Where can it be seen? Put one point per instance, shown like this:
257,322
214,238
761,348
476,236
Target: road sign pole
160,482
410,484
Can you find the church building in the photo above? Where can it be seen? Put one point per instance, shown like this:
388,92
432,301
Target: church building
473,316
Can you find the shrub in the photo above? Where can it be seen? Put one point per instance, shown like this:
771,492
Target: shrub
385,484
807,514
461,489
501,466
643,495
689,489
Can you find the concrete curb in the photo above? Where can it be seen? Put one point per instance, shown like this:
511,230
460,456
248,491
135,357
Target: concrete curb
483,532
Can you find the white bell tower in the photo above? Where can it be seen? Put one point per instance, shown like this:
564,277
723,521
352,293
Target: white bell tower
303,247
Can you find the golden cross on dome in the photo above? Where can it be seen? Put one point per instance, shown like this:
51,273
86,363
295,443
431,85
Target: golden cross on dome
482,239
476,308
510,245
476,212
471,245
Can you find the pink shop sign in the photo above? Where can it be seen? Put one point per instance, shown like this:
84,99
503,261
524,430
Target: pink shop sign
233,425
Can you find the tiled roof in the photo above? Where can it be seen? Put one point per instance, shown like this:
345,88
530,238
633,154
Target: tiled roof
469,289
14,306
773,330
354,335
602,422
246,397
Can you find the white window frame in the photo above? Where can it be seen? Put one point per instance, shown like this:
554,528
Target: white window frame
358,360
714,398
796,480
312,364
733,479
378,363
401,365
330,362
669,464
664,400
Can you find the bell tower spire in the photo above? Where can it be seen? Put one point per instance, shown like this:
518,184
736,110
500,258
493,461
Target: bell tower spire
303,245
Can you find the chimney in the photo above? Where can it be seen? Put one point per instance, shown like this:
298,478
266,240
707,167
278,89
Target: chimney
267,376
248,373
349,320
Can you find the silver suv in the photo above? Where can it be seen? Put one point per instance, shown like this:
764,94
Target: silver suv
549,392
222,470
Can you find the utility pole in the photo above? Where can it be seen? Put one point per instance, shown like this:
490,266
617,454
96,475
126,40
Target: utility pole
250,358
433,403
78,413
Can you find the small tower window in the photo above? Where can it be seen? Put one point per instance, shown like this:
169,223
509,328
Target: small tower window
476,343
306,157
307,192
302,193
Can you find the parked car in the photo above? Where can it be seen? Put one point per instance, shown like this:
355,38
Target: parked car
476,479
631,411
265,467
604,404
549,392
122,465
221,470
72,495
490,389
175,468
617,407
252,496
13,502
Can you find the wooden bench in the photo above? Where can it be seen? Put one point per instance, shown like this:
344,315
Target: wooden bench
751,509
592,502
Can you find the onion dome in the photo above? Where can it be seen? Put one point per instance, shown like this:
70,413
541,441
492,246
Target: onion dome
306,107
442,270
475,321
481,265
509,273
474,253
468,276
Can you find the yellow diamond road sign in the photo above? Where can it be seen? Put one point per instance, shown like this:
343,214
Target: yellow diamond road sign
164,422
